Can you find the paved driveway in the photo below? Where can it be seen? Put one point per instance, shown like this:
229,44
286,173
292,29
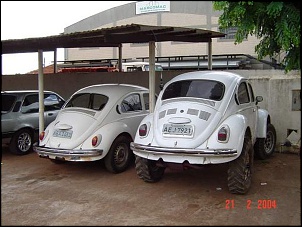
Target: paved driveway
35,191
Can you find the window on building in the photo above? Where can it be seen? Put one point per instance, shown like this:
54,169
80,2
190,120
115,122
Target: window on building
230,33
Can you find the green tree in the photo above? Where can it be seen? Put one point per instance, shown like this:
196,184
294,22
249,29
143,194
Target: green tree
276,24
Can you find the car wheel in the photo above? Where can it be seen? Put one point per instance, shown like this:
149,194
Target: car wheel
148,170
21,142
265,147
240,170
119,156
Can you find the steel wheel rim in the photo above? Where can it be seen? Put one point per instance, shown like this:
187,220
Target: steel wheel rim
269,142
121,154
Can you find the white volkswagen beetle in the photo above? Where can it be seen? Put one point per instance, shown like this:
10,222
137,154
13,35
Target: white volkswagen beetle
97,122
205,117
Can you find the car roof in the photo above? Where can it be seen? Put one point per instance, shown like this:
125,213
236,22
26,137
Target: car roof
225,77
24,92
109,89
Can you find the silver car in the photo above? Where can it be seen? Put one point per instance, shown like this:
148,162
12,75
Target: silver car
20,117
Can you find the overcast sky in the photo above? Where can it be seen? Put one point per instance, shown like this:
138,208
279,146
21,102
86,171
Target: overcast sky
28,19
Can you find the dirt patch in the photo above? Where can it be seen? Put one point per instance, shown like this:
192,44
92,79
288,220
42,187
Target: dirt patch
35,191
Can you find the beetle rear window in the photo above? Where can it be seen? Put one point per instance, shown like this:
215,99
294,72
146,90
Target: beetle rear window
206,89
87,100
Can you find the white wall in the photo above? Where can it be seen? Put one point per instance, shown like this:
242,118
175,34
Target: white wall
277,88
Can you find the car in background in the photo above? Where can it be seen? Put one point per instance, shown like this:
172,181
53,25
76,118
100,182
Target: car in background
139,66
97,122
20,117
202,118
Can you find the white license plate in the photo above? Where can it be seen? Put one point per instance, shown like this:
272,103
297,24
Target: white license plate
175,129
62,133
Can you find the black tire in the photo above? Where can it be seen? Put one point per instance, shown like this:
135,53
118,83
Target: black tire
22,142
119,156
265,147
241,169
148,170
56,161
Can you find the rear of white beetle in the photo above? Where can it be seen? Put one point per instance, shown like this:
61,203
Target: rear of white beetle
204,117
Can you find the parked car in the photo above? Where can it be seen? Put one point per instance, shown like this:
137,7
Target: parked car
20,117
205,117
139,66
97,122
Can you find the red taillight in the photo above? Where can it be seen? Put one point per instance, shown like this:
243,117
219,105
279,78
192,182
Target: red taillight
41,136
143,130
94,141
223,134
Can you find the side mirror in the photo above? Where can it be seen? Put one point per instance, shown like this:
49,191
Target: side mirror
259,99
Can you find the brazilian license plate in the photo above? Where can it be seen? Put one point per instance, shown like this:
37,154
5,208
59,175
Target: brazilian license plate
177,129
62,133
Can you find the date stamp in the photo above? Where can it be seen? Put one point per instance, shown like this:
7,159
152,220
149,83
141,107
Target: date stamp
260,204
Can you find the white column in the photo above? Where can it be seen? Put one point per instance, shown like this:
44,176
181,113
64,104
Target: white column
210,54
120,57
41,91
55,67
151,76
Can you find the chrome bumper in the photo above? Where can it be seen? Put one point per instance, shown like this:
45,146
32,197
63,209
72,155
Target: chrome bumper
71,155
183,151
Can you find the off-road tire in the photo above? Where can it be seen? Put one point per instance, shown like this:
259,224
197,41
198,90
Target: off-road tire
22,142
119,156
265,147
240,170
148,170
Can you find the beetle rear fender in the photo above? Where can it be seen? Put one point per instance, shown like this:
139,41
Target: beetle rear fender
148,118
262,123
48,132
237,125
108,134
149,121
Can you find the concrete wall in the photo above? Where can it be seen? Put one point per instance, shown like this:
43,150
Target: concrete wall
275,87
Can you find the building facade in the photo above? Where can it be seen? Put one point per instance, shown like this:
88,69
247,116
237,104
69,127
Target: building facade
191,14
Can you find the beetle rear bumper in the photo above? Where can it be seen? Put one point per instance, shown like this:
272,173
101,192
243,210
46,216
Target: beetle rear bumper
182,151
68,154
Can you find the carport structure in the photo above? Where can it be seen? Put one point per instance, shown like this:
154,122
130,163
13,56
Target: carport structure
109,37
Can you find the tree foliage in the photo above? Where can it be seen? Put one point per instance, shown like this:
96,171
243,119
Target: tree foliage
276,24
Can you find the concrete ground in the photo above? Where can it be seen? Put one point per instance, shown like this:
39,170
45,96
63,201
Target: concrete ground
37,192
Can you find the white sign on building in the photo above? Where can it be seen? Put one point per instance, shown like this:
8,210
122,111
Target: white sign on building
152,6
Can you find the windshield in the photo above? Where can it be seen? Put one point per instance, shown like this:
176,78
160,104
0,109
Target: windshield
207,89
88,100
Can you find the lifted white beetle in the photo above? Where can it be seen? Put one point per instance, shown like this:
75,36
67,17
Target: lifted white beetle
205,117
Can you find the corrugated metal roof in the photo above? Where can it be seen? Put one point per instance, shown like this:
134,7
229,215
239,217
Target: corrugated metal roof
109,37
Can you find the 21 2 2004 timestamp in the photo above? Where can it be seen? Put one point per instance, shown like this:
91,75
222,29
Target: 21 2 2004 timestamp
260,204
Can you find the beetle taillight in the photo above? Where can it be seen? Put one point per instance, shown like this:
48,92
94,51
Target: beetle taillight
143,130
94,141
223,134
42,135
